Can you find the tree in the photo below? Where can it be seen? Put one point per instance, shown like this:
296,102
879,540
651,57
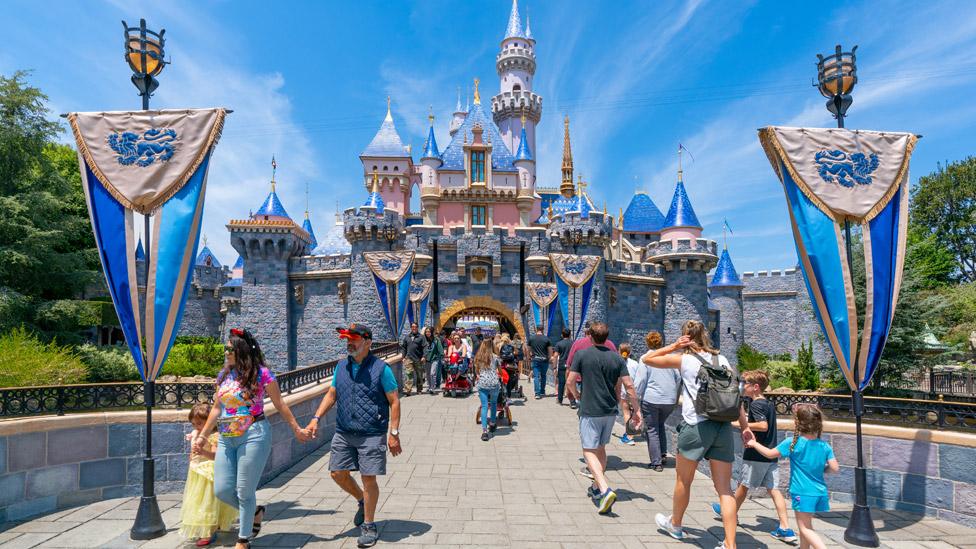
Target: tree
944,207
805,375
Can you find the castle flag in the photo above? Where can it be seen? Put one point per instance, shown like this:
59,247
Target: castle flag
392,274
833,176
573,273
543,296
152,163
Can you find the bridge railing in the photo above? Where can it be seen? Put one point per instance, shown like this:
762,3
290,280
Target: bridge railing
923,414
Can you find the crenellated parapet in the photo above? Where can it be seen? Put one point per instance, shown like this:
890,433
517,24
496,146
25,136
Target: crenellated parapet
572,229
258,239
366,225
698,254
209,278
512,104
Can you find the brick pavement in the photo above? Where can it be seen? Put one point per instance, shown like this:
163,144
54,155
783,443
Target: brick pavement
450,489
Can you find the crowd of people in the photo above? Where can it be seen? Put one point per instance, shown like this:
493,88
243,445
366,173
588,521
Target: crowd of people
231,440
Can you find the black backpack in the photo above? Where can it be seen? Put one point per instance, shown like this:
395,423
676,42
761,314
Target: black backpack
719,395
508,353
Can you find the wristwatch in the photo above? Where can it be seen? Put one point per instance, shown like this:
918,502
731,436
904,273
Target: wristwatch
395,432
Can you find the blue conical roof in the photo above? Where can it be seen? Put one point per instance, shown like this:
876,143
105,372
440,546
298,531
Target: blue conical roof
501,158
307,226
523,152
387,141
725,274
681,214
430,147
374,200
239,264
271,207
140,252
205,255
582,206
514,29
642,215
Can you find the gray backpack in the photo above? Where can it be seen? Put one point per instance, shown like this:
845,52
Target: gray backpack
718,391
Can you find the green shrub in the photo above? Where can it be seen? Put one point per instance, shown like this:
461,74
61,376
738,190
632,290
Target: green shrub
26,361
779,373
108,364
750,359
195,359
805,375
15,310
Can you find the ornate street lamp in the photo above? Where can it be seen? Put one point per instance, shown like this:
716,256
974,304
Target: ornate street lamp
144,53
836,77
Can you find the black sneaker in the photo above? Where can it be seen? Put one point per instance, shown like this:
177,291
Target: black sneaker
368,536
573,406
484,436
360,515
492,427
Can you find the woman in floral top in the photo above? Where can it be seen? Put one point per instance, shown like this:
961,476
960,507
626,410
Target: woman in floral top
486,372
245,436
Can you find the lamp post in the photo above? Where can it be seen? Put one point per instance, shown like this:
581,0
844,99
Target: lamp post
144,53
836,77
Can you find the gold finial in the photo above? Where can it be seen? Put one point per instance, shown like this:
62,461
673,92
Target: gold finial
523,117
376,183
566,186
204,241
604,207
430,114
306,200
477,95
549,214
620,219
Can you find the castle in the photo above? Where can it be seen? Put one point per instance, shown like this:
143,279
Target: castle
486,221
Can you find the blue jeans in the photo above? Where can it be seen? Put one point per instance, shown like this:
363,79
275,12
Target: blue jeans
489,398
434,377
560,384
540,367
237,470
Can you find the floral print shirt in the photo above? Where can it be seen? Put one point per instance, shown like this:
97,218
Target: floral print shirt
238,413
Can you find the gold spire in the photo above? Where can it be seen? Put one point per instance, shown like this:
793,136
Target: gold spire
204,241
549,213
430,114
477,95
620,219
376,183
566,187
604,207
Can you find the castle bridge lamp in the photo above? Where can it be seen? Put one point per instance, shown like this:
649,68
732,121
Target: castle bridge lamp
836,77
145,55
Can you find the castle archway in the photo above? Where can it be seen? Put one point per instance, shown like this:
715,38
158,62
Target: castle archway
480,306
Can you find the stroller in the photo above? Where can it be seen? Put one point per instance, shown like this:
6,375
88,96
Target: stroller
503,411
457,382
512,387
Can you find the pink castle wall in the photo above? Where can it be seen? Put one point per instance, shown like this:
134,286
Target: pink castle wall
449,215
506,215
680,233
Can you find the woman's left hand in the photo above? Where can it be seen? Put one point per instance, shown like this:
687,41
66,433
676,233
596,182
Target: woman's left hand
302,435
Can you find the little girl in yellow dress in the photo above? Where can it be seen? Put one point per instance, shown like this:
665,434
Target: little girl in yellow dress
202,513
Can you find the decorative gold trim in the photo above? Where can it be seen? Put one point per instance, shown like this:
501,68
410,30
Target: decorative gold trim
483,302
161,198
651,281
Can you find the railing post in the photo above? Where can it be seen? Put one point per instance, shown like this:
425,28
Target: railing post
60,401
941,413
932,380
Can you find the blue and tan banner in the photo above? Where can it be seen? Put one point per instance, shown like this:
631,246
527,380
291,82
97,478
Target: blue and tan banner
574,273
833,176
152,163
392,274
543,297
419,300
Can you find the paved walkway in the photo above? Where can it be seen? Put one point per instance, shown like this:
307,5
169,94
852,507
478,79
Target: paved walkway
450,489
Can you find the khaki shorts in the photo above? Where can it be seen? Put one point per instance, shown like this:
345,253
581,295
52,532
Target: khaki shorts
706,440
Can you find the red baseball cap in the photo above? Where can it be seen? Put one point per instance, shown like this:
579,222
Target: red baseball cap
355,331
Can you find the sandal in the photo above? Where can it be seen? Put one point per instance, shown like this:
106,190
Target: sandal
245,542
256,528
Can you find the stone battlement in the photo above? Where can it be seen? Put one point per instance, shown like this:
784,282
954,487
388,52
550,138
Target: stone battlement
320,263
364,223
784,272
682,246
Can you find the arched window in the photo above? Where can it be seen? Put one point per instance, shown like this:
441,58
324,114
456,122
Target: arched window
516,87
396,168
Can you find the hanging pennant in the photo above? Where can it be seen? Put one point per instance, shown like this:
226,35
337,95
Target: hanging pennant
574,272
392,273
419,298
543,297
150,162
835,175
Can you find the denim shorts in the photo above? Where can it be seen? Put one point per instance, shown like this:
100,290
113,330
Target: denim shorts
706,440
363,453
595,431
760,474
810,504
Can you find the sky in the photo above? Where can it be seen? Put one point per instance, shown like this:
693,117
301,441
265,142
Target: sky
308,83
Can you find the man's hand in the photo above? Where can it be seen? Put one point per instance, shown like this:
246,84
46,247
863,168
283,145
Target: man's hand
303,435
636,419
393,443
312,428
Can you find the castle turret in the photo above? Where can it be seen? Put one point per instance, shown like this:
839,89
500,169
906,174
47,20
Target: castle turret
201,312
459,115
307,226
388,158
525,164
725,292
681,221
430,162
515,64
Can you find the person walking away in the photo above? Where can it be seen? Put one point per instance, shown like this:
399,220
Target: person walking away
488,385
699,435
364,392
507,356
476,338
541,349
562,351
809,458
605,372
202,514
758,471
413,347
638,376
657,403
245,437
435,359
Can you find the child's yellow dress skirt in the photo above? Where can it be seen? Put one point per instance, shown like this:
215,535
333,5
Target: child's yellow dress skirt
202,512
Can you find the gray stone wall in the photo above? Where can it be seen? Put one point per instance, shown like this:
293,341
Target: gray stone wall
684,298
777,315
313,321
728,301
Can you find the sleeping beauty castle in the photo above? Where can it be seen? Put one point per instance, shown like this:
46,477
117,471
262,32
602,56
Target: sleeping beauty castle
493,239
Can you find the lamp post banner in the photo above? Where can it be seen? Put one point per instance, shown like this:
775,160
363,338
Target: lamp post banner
392,275
543,296
155,163
831,176
419,300
572,272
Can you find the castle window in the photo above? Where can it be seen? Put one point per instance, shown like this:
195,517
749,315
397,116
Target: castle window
478,216
396,168
477,167
516,87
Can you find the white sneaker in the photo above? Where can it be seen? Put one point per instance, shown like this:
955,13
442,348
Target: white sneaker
664,523
722,546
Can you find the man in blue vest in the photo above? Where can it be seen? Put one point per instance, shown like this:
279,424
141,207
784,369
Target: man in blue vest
364,391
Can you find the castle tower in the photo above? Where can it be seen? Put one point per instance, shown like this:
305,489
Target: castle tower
566,187
525,164
266,242
515,64
390,159
429,184
307,226
460,114
725,291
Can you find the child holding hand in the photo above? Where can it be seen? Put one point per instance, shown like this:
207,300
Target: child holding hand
810,457
202,514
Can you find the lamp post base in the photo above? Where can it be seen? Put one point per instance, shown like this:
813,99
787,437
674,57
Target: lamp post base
860,529
149,522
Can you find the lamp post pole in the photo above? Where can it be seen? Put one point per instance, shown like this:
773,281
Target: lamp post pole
836,77
144,53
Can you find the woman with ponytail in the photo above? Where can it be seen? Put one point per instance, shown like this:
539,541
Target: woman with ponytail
245,437
810,457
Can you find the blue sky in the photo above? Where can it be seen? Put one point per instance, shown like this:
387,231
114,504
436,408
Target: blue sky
308,83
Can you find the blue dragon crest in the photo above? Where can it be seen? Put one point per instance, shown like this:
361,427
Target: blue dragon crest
390,264
575,267
416,289
544,291
154,144
848,170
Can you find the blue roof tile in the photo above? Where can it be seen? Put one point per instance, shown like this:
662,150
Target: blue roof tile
725,274
501,158
271,207
582,205
430,147
140,252
523,152
387,141
333,242
206,254
239,264
234,283
681,214
514,29
307,226
642,215
374,200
